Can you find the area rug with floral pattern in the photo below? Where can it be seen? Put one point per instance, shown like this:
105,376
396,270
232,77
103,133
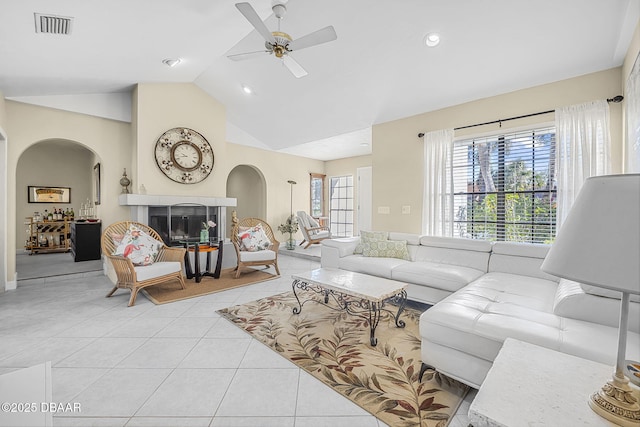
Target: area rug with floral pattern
334,346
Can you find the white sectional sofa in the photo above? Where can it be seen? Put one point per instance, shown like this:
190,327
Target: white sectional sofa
486,292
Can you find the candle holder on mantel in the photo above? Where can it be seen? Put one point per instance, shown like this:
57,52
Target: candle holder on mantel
125,182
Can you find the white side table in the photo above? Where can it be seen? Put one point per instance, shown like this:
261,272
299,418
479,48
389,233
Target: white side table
532,386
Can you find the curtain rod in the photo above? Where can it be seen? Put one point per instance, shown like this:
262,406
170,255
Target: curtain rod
615,99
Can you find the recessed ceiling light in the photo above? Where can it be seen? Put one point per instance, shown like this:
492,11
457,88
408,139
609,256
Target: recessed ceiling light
171,62
364,144
432,39
246,89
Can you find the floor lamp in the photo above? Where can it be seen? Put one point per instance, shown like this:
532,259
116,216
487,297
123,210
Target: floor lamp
599,245
292,183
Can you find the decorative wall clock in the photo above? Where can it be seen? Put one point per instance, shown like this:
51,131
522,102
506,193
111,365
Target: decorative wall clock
184,155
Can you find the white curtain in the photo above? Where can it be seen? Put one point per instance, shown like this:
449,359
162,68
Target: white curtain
437,209
632,103
582,149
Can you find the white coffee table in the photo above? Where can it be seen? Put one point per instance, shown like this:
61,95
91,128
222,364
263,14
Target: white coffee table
529,385
358,294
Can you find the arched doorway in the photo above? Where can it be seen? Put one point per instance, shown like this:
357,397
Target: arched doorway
247,184
50,163
5,282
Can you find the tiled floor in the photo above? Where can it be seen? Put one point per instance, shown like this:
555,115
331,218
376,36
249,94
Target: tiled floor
178,364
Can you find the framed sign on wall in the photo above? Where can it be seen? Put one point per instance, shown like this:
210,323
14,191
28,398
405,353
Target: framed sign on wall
36,194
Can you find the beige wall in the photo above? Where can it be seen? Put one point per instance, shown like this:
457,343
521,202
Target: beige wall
277,169
109,140
397,150
160,107
49,164
341,167
118,145
396,158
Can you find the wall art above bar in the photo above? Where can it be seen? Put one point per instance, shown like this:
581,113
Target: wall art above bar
37,194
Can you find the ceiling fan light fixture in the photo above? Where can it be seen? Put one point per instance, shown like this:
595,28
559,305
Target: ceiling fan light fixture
432,39
171,62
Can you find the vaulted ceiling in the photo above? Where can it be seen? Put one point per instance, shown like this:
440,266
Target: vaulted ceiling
378,69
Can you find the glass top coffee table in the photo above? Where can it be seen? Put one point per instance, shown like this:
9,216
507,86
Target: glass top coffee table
196,246
358,294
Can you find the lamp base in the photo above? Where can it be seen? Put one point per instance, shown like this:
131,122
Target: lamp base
617,402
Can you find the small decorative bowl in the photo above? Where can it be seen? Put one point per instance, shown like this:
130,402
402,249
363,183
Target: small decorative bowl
632,371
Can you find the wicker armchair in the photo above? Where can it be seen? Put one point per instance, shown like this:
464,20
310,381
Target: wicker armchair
266,257
166,268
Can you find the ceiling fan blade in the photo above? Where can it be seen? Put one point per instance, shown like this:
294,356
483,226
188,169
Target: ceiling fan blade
293,66
252,16
247,55
324,35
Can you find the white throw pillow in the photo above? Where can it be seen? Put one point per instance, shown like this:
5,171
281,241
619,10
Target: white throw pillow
254,239
138,246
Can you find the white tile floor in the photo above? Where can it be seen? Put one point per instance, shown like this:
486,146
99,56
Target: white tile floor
178,364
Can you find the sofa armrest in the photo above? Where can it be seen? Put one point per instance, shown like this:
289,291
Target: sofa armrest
334,249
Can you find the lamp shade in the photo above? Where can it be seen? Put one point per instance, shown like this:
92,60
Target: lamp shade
599,242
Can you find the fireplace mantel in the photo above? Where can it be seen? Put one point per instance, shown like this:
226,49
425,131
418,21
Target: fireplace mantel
140,203
159,200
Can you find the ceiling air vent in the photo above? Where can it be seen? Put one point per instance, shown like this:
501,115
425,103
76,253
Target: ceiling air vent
51,24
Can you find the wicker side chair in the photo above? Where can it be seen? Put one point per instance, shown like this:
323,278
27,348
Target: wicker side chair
266,257
166,268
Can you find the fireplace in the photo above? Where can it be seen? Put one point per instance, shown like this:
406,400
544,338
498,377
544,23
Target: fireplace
179,222
178,217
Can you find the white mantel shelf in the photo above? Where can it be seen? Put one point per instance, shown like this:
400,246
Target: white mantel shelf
158,200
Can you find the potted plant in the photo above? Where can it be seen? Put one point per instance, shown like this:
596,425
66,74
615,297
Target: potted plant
290,226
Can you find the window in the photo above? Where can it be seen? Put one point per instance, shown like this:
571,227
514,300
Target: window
341,206
504,187
317,195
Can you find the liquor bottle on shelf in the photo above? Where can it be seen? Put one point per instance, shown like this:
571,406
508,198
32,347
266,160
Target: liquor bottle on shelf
45,217
73,215
50,216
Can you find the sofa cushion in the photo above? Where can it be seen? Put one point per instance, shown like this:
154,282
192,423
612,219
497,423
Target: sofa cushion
157,269
265,255
466,258
608,293
437,275
456,243
375,266
386,249
573,302
519,258
412,239
477,319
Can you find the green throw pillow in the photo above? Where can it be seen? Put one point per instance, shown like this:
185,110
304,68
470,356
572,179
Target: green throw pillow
367,236
386,249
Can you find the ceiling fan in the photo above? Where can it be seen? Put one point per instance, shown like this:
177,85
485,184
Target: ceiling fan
279,43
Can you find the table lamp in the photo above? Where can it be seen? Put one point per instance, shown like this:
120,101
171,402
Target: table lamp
599,245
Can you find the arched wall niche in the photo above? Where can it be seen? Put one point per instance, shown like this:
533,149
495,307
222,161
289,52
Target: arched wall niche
53,163
247,184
